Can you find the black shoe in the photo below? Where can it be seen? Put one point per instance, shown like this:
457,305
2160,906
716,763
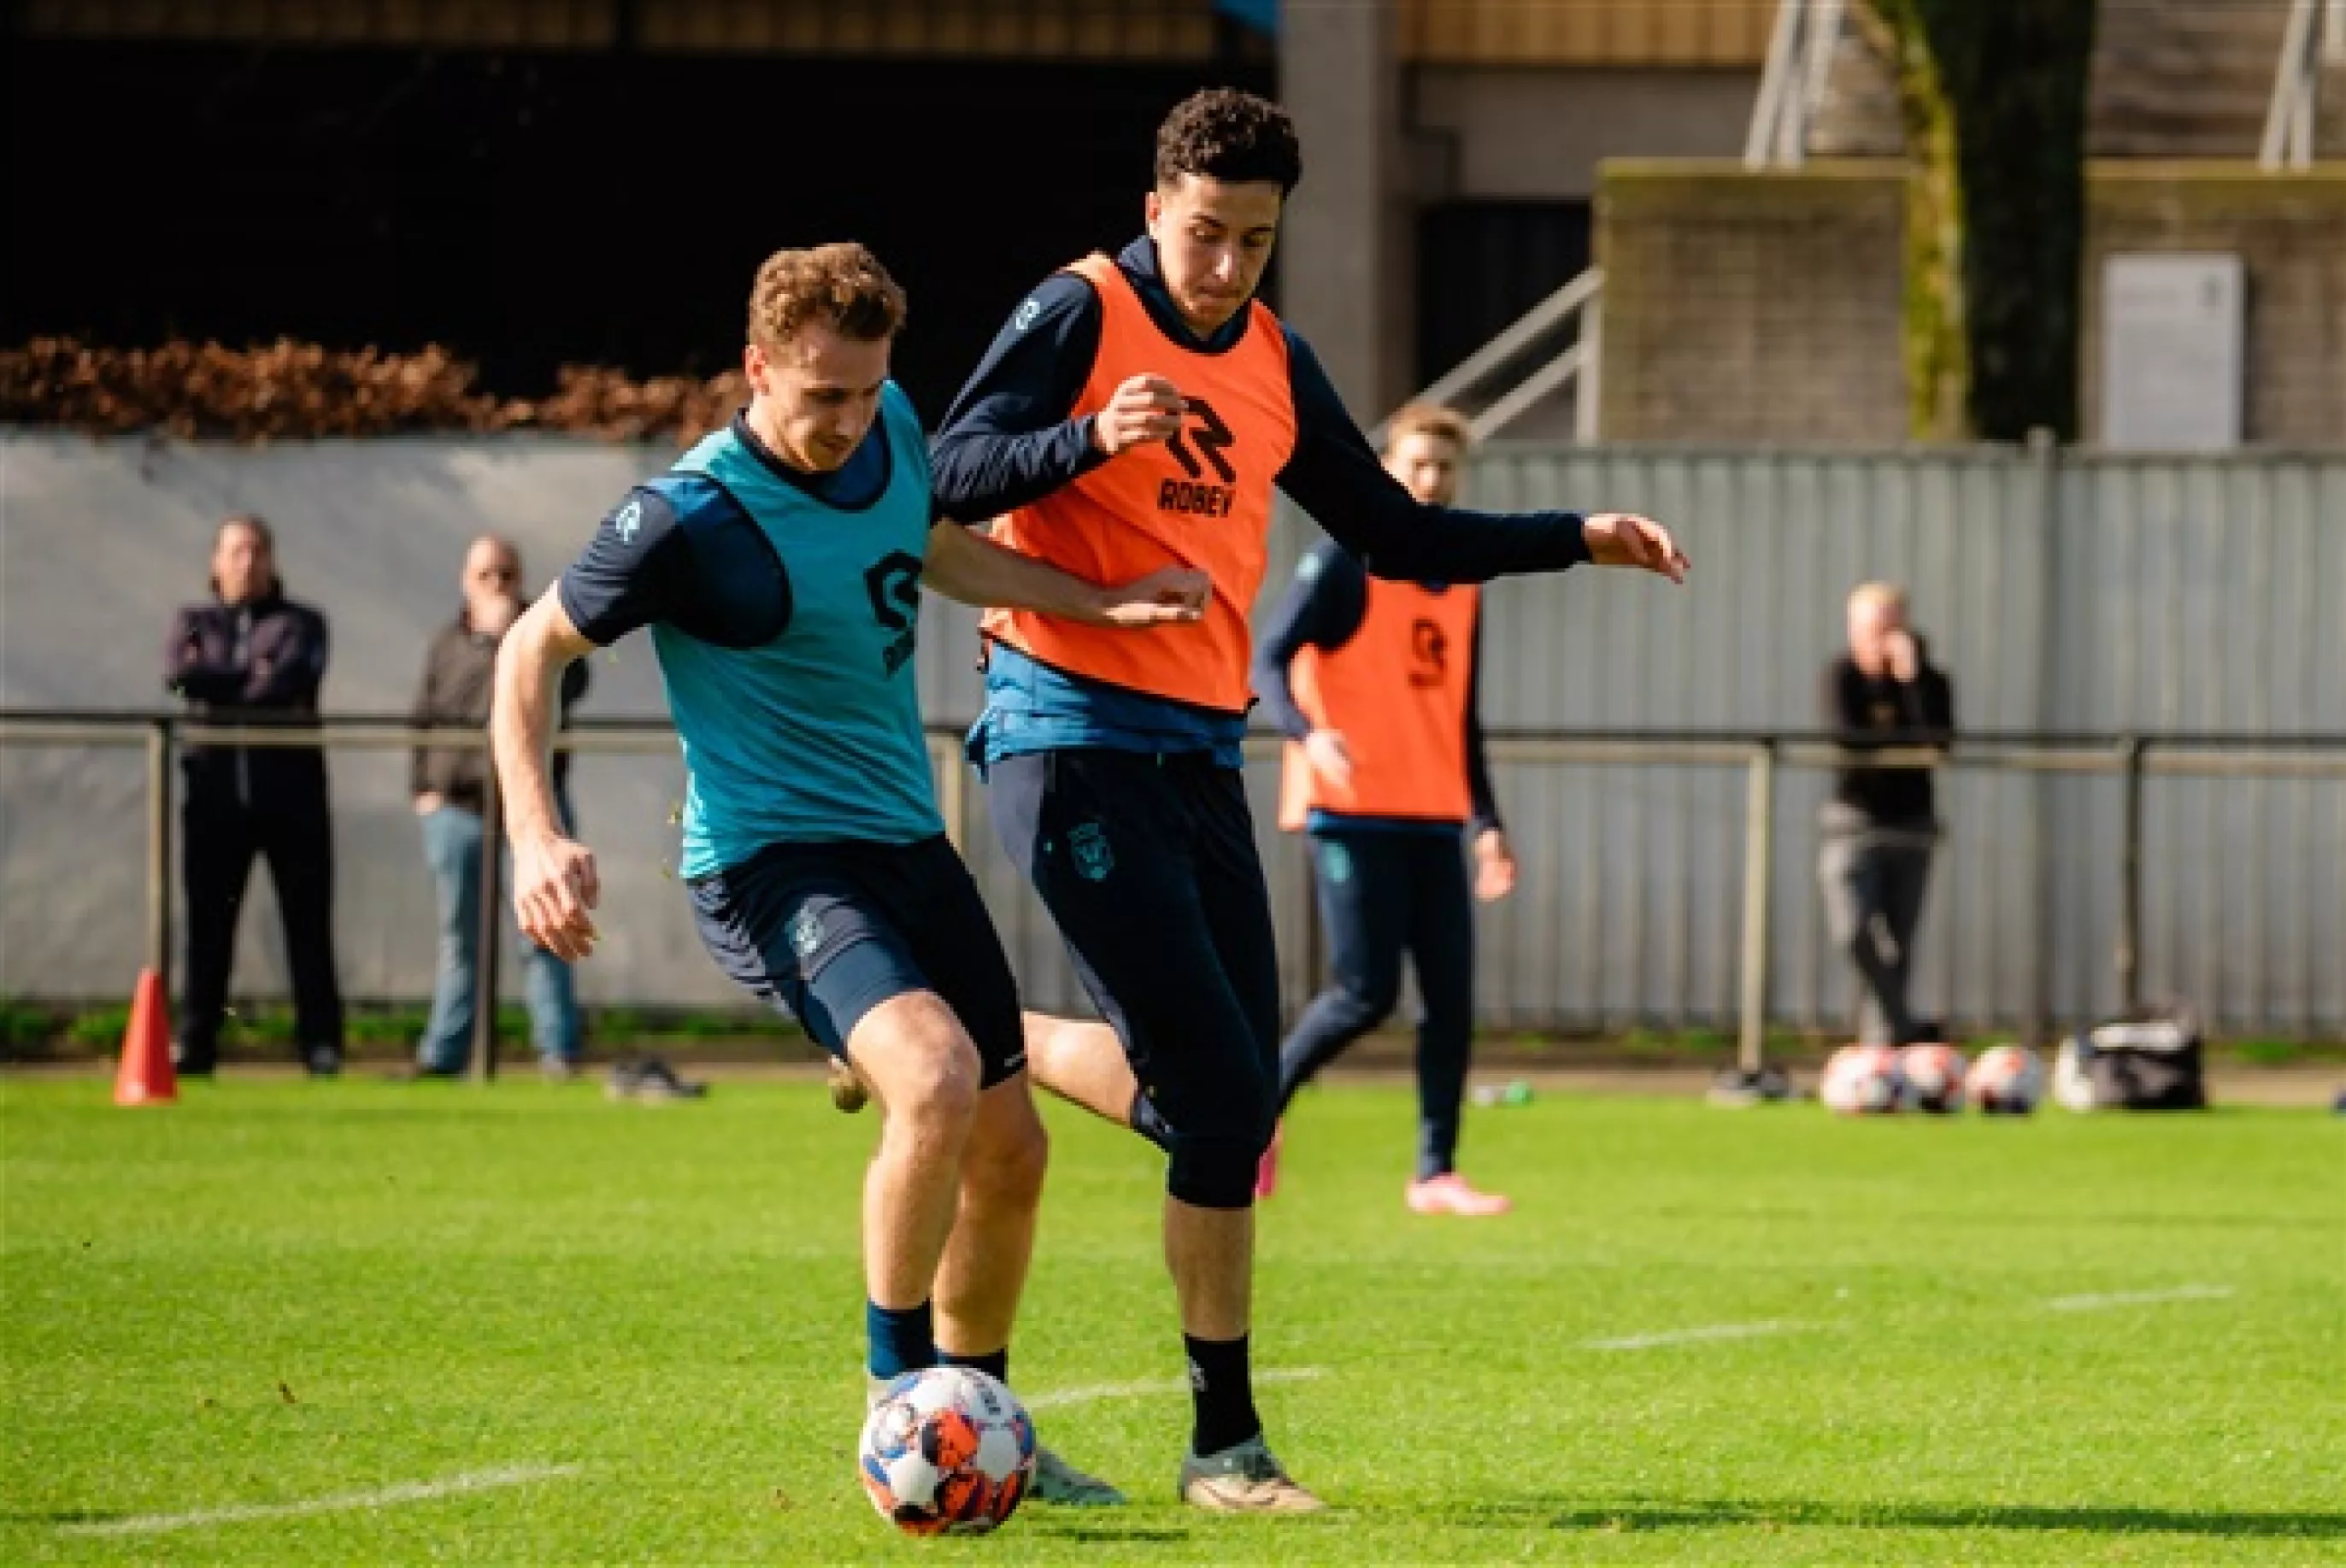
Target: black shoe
651,1079
420,1074
323,1061
186,1063
1737,1088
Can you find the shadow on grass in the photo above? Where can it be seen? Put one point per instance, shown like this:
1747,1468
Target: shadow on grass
1102,1531
1632,1513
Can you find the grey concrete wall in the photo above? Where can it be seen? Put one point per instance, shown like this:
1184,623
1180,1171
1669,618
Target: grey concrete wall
1537,134
1346,248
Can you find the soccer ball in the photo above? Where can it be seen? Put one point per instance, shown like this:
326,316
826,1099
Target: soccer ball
2008,1080
947,1450
1861,1081
1934,1077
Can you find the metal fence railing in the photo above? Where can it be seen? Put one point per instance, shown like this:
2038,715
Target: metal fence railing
1754,936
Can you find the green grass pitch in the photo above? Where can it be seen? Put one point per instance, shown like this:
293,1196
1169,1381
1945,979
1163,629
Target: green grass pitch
367,1322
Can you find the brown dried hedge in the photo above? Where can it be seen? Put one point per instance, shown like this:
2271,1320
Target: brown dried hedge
289,391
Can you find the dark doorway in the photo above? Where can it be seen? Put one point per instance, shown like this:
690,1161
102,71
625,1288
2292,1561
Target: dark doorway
1481,264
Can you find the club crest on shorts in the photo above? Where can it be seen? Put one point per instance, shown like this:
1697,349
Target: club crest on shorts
806,933
1088,844
1336,862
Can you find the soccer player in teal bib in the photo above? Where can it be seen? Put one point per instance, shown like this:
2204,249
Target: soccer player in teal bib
779,566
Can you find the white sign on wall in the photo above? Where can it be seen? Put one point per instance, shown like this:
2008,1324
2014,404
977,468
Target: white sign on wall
2173,331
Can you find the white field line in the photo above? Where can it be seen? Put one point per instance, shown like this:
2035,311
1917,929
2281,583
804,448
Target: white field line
1692,1335
387,1497
2139,1297
1087,1392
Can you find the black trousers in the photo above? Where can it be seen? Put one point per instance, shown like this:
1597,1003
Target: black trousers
1383,894
1148,867
221,829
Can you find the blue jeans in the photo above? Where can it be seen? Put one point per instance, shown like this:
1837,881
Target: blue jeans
451,848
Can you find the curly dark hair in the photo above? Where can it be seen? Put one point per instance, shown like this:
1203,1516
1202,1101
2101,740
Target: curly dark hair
842,285
1224,134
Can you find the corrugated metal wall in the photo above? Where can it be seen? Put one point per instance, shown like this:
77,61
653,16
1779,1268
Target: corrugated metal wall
2196,594
2110,594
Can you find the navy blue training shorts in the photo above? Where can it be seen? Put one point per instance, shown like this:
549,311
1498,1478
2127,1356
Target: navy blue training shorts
830,932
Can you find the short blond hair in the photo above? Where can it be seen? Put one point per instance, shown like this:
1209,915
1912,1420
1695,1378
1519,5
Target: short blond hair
842,286
1429,419
1883,595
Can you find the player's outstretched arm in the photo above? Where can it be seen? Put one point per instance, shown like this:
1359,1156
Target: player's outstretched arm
1334,475
974,570
1626,539
555,884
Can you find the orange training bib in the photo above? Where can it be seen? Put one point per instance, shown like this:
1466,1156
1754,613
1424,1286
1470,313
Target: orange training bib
1202,499
1397,691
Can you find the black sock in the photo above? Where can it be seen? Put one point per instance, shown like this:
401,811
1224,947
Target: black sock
1224,1387
994,1364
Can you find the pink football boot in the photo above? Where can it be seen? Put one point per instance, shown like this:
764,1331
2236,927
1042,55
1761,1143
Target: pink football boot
1449,1193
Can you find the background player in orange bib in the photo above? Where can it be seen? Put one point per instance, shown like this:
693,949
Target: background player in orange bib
1376,686
1144,410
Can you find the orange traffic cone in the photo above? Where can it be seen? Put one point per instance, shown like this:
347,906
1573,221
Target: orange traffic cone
146,1078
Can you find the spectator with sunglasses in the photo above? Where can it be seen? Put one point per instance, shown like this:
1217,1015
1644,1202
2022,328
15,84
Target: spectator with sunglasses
450,786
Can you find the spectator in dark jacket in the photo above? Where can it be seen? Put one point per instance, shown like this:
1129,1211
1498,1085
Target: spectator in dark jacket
1881,823
450,789
254,657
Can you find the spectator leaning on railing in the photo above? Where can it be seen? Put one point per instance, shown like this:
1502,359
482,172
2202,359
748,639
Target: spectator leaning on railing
252,656
450,788
1881,823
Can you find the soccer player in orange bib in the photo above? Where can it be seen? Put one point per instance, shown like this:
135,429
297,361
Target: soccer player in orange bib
1375,684
1136,413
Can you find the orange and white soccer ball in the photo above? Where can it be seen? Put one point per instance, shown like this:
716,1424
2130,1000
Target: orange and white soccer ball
947,1450
1932,1077
2007,1079
1861,1081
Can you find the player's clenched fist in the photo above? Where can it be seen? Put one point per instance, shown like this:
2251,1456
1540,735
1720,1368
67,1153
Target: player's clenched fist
1626,539
555,893
1145,408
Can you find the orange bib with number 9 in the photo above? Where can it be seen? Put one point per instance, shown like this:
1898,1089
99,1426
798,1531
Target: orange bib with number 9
1397,692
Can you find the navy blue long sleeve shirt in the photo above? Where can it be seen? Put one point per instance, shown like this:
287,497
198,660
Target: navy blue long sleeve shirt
1013,437
1323,609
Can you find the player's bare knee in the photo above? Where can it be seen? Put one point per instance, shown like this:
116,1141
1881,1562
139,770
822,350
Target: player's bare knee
922,1063
941,1089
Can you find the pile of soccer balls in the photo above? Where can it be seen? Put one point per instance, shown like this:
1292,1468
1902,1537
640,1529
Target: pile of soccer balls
949,1451
1876,1080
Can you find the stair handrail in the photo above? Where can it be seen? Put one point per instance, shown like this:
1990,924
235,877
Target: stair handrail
2317,29
1582,295
1793,82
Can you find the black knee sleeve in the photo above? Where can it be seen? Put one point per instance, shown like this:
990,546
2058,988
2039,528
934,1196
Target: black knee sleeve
1214,1158
1214,1173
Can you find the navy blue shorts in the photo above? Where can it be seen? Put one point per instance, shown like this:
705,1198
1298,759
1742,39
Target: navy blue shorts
830,932
1148,867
